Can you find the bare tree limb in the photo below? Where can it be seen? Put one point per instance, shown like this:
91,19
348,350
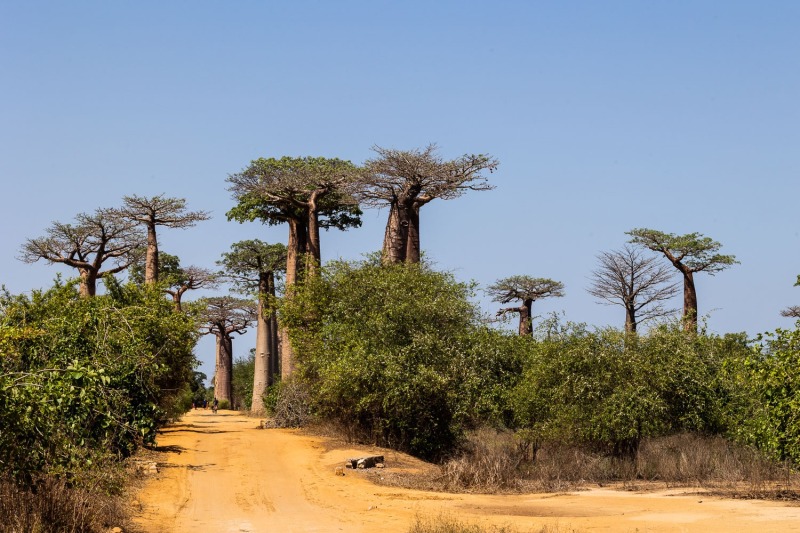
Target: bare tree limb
638,283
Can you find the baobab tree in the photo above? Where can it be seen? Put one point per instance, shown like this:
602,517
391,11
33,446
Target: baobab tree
307,193
526,290
190,278
689,254
794,310
405,180
101,240
637,283
158,211
175,279
252,265
224,316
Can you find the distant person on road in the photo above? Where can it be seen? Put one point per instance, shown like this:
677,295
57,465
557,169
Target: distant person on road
215,406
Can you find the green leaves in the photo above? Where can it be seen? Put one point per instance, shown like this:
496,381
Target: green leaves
86,376
276,190
769,385
609,390
694,250
391,352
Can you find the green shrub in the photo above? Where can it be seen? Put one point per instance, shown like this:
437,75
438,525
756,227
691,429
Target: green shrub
84,376
242,375
768,382
609,389
270,398
396,354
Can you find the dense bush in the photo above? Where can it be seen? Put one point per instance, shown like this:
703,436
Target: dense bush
242,374
608,389
395,354
768,382
399,356
83,377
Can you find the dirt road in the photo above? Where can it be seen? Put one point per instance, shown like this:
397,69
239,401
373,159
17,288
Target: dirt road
222,474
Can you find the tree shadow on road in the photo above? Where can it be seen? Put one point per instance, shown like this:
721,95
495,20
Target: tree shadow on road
169,449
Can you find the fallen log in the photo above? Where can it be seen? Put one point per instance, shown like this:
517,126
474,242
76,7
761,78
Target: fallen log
369,461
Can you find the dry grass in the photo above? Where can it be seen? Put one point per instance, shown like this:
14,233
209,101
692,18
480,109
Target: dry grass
291,408
689,459
53,506
490,463
494,462
448,524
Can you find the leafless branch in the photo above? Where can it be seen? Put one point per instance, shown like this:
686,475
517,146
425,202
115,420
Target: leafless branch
637,282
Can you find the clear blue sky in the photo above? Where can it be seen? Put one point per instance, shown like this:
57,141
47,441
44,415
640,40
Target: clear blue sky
606,116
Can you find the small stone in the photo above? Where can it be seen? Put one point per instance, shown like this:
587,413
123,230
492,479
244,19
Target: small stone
339,471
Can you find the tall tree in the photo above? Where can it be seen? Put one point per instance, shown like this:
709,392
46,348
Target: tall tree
253,265
176,279
158,211
224,316
102,238
405,180
526,290
689,254
637,283
307,193
190,278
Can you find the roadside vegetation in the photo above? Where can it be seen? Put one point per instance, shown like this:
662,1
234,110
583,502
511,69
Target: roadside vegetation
398,356
388,349
84,383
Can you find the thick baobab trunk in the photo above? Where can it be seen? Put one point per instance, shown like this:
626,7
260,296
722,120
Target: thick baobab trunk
275,349
524,311
287,355
313,253
295,251
689,302
395,239
262,357
88,284
271,322
630,319
525,319
223,389
412,244
177,296
151,257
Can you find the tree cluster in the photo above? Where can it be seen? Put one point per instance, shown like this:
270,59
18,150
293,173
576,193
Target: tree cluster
388,347
398,355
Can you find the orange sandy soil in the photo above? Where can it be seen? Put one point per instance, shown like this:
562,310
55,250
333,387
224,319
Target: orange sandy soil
222,474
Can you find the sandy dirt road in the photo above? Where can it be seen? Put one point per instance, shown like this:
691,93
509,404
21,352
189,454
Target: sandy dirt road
222,474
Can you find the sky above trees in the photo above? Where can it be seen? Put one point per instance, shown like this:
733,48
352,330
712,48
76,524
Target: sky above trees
605,116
